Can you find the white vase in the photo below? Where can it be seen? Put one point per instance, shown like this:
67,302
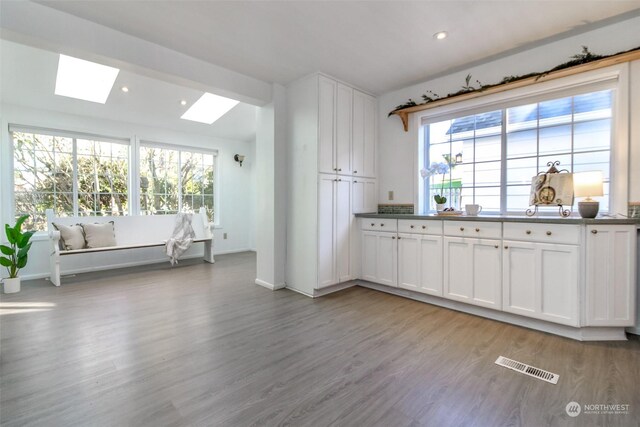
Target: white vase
11,286
440,206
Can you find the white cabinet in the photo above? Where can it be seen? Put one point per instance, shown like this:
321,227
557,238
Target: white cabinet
610,276
326,125
541,281
379,257
364,195
472,271
420,263
334,230
344,102
364,135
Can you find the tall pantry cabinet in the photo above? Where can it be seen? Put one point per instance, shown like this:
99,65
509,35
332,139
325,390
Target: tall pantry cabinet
331,160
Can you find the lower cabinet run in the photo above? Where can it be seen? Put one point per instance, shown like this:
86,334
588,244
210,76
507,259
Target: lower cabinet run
576,275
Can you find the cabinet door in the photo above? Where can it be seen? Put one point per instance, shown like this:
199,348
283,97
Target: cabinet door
326,231
364,196
343,229
610,275
409,258
430,263
357,139
541,281
357,196
386,261
344,102
326,125
520,278
369,251
369,169
473,271
458,258
370,196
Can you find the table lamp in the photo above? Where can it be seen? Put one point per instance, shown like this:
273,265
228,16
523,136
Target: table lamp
588,184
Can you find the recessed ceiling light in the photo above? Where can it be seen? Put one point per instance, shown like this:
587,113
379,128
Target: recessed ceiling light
440,35
124,89
183,102
209,108
84,80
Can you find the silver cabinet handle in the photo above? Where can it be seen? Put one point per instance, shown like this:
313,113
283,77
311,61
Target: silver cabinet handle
528,231
477,229
355,171
339,179
382,225
393,237
411,226
373,224
424,227
355,182
548,233
399,237
506,247
496,246
594,231
335,169
461,228
339,170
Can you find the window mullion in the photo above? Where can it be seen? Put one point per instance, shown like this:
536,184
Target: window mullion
180,181
75,177
503,164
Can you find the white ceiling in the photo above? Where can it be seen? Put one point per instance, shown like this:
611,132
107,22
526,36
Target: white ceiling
29,75
376,45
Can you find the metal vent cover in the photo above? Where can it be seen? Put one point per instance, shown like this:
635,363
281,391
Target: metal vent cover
532,371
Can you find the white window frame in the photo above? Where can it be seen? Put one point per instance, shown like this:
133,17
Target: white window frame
139,143
615,78
36,130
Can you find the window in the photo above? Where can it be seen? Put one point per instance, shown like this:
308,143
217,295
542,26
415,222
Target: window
493,155
72,175
176,180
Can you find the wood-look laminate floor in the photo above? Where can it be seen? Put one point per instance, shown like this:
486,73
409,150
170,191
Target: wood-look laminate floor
201,345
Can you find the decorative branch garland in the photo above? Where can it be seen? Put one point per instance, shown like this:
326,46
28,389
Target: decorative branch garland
582,58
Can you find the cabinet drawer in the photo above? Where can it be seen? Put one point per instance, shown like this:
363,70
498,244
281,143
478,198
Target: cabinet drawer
379,224
547,233
420,226
483,230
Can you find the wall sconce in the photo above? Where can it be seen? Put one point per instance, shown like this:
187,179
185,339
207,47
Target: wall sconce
239,158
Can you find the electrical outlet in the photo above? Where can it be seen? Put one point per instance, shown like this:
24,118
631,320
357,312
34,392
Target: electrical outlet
224,236
391,195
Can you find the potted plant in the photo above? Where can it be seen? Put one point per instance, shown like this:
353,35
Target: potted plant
15,255
437,168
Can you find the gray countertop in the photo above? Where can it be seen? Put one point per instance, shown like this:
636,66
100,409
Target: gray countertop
498,218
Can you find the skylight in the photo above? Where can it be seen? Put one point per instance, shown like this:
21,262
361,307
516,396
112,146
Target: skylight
209,108
84,80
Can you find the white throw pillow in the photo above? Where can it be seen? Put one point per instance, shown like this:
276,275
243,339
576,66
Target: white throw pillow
99,235
71,237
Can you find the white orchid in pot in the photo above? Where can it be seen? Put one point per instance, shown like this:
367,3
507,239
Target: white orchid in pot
437,168
15,255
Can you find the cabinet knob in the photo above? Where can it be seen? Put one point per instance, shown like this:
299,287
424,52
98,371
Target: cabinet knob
335,169
461,228
496,246
355,171
477,229
335,180
373,224
355,182
528,231
339,179
424,227
506,247
594,231
382,225
411,226
548,233
339,170
393,237
399,237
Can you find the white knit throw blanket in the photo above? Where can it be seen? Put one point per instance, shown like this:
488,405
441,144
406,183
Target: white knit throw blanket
181,238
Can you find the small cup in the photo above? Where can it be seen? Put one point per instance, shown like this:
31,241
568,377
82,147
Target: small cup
472,210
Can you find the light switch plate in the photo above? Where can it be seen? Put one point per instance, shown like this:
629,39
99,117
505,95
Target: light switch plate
391,195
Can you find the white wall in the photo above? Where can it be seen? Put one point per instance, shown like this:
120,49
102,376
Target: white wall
398,149
236,184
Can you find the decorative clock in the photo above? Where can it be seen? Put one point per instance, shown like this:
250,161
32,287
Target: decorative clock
553,187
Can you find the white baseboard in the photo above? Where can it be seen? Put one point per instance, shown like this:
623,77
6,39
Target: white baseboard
325,291
269,286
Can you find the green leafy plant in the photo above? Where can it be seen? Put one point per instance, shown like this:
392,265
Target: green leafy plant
16,253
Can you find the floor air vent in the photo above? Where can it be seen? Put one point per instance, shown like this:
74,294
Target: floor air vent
532,371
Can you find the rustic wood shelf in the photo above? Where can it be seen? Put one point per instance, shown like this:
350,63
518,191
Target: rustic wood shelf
589,66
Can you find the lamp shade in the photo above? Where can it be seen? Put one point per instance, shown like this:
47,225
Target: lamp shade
587,184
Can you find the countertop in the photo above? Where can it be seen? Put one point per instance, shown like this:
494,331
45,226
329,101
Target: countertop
499,218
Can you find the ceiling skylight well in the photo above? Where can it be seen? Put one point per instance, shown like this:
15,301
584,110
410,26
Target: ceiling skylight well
84,80
209,108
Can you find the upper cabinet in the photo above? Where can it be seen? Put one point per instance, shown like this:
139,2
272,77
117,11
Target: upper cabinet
363,159
346,130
